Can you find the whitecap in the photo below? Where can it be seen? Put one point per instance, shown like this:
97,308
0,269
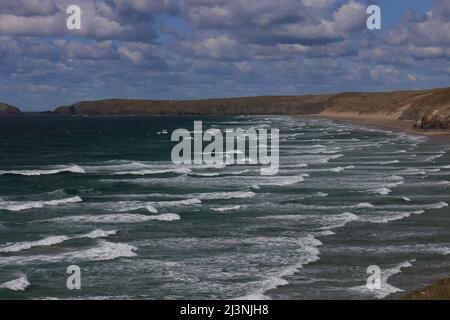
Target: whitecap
103,251
283,181
146,172
382,191
217,174
53,240
389,162
340,169
185,202
386,217
25,205
385,289
42,172
326,222
223,209
19,284
116,218
224,195
310,253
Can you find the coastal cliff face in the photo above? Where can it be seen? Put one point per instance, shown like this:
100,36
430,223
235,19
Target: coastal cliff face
428,108
232,106
8,109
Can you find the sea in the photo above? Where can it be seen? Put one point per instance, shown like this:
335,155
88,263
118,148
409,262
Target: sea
102,194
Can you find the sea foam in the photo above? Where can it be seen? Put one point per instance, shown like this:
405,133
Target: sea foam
25,205
53,240
19,284
41,172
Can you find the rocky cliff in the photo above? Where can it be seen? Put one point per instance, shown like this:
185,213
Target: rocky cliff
8,109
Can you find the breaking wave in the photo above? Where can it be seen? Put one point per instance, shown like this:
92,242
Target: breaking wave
42,172
25,205
53,240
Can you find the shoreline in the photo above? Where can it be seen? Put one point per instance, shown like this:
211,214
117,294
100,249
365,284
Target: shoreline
438,290
381,122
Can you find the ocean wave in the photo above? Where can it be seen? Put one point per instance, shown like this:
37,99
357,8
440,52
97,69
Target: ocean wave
340,169
224,195
25,205
382,191
434,157
282,181
325,222
386,216
123,206
186,202
437,205
360,205
320,194
124,167
146,172
53,240
149,206
224,209
296,165
103,251
116,218
42,172
218,174
413,171
413,249
389,162
326,159
415,207
310,253
385,289
19,284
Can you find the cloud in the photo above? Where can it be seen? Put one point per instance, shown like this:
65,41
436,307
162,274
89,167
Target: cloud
101,20
432,29
211,48
28,7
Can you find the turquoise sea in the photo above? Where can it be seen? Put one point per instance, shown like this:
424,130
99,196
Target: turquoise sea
102,193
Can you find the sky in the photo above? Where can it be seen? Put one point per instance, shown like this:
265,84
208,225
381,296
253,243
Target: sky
192,49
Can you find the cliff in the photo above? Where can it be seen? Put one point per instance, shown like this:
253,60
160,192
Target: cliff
249,105
8,109
428,108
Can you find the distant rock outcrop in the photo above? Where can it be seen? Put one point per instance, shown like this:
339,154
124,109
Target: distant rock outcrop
433,120
8,109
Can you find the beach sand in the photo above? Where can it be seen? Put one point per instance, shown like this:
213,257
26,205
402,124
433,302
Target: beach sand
382,121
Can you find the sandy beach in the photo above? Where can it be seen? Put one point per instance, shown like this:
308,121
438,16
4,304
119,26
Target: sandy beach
384,121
